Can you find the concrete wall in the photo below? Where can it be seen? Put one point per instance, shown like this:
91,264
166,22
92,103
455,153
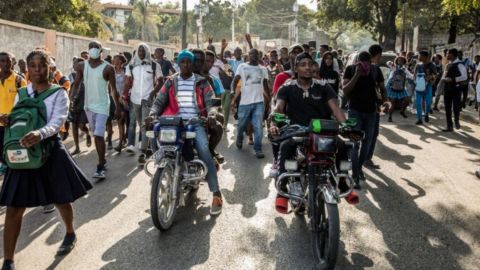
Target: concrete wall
21,39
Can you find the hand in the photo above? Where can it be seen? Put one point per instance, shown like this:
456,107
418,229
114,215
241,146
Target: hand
248,38
210,40
118,112
387,105
275,131
151,97
224,44
233,106
30,139
148,122
4,119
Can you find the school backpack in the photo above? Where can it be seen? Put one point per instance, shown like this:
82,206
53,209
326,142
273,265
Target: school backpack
420,79
397,83
29,114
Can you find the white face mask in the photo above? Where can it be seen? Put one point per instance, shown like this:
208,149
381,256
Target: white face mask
94,53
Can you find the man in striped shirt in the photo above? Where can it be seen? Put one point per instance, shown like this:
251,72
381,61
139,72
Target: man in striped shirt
190,95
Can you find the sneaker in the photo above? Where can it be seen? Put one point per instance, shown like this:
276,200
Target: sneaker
239,146
118,148
448,129
457,125
8,265
216,208
68,244
100,173
427,119
357,185
48,208
419,122
436,109
141,159
259,154
109,146
361,176
369,164
274,171
131,149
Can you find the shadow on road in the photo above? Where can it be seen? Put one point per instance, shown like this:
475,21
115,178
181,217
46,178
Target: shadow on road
415,239
185,245
103,198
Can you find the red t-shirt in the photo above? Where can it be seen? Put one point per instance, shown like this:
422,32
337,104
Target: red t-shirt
279,81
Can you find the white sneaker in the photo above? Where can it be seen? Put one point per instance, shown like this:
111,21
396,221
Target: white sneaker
131,149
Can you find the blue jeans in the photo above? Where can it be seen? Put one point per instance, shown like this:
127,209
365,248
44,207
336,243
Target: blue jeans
201,144
365,122
371,149
422,97
251,113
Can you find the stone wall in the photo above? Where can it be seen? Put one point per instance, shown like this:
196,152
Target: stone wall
21,39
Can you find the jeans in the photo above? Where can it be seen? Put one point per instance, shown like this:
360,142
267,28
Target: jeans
366,122
371,149
251,113
226,101
464,91
421,98
452,98
138,113
201,144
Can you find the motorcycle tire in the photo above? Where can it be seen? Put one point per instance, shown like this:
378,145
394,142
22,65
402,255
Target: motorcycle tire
326,238
160,187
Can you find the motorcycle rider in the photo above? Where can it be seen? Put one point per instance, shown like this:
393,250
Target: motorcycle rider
303,99
189,95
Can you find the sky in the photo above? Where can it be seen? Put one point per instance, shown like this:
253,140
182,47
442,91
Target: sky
191,3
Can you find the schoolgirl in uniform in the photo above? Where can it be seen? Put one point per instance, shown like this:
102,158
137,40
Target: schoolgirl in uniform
59,181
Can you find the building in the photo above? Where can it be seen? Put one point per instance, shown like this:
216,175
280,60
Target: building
120,14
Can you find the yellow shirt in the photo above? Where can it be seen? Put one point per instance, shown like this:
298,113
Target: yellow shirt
8,92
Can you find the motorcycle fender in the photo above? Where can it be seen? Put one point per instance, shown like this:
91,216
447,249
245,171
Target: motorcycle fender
329,196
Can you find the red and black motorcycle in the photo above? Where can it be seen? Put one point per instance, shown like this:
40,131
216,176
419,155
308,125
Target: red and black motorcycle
317,178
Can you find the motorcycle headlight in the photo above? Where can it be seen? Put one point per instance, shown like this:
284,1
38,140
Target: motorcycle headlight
168,135
345,165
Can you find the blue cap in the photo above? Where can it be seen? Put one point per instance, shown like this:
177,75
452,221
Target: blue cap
185,54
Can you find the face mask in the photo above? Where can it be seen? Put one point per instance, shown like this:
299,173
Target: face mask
94,53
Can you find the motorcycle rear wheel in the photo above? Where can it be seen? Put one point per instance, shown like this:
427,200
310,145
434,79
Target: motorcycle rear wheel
162,208
326,234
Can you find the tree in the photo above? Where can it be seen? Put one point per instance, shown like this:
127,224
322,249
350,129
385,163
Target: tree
377,16
74,16
143,22
460,6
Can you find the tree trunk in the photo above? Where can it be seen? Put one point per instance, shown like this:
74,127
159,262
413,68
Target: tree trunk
389,28
452,31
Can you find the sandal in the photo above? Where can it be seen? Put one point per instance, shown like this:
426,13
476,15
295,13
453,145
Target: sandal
67,245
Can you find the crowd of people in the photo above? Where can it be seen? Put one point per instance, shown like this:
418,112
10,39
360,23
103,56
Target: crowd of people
132,89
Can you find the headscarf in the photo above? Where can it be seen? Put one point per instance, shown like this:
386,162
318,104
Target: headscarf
148,56
185,54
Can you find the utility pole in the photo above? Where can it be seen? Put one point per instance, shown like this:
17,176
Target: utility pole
404,5
295,23
184,24
233,22
200,10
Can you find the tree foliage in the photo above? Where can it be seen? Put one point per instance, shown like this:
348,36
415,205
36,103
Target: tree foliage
460,6
73,16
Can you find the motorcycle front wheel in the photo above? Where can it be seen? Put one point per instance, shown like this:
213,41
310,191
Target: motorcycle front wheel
326,234
162,207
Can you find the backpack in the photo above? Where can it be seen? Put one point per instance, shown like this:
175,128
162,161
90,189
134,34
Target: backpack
28,114
397,82
420,79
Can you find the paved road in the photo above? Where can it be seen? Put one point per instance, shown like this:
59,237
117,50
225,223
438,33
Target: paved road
420,211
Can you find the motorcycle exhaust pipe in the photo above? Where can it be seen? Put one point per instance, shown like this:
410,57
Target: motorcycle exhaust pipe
200,177
283,177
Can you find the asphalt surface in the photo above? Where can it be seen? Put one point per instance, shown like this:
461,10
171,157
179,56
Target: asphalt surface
420,211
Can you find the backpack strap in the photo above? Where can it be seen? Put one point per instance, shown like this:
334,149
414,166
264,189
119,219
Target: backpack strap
22,93
45,94
154,69
131,71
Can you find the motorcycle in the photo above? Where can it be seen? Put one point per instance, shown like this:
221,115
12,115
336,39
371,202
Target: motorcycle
178,170
312,179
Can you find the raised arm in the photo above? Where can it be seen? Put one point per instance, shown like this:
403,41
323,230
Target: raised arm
249,41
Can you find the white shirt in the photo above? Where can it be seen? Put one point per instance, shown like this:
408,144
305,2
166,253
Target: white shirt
252,83
57,111
215,70
143,81
186,98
